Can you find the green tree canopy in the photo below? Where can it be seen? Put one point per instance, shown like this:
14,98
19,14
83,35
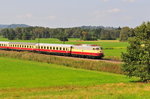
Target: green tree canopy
124,33
137,58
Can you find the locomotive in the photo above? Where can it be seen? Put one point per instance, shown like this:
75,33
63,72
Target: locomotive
81,50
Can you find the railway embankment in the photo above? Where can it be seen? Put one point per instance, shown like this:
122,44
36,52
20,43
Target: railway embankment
89,64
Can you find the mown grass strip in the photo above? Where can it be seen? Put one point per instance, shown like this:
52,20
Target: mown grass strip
105,91
76,63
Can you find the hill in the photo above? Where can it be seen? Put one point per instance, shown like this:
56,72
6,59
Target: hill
13,26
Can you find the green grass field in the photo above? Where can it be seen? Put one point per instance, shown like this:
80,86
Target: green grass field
18,73
33,80
20,79
111,47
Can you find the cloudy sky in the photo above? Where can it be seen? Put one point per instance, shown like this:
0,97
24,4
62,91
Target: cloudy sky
70,13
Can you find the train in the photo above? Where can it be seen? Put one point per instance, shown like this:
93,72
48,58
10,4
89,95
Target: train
79,50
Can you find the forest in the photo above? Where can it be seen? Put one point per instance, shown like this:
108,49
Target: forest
84,33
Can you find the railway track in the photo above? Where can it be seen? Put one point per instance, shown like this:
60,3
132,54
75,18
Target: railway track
104,60
78,58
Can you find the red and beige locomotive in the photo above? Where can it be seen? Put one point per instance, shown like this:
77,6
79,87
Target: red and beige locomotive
83,50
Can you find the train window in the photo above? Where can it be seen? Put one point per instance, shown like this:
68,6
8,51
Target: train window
60,48
56,48
53,48
50,47
93,48
97,48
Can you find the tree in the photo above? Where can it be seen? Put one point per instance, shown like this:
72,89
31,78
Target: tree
63,35
124,33
12,34
107,35
137,58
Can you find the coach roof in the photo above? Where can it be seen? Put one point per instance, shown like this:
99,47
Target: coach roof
3,42
57,45
22,43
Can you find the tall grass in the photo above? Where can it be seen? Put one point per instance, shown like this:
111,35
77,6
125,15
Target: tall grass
70,62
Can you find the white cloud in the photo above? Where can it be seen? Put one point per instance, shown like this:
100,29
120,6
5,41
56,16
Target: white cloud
105,0
114,10
25,16
131,1
51,17
105,14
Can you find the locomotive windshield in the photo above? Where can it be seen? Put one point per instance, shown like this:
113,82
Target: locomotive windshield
98,48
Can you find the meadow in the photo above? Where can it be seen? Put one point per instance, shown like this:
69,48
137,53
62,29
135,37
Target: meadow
26,75
31,80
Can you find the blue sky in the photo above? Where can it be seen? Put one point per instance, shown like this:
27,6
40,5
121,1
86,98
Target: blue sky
70,13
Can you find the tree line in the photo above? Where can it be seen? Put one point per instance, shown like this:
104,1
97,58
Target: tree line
31,33
84,33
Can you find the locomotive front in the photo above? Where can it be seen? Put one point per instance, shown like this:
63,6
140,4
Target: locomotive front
89,51
98,51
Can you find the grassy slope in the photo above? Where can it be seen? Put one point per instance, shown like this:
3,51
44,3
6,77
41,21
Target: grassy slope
17,73
111,47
